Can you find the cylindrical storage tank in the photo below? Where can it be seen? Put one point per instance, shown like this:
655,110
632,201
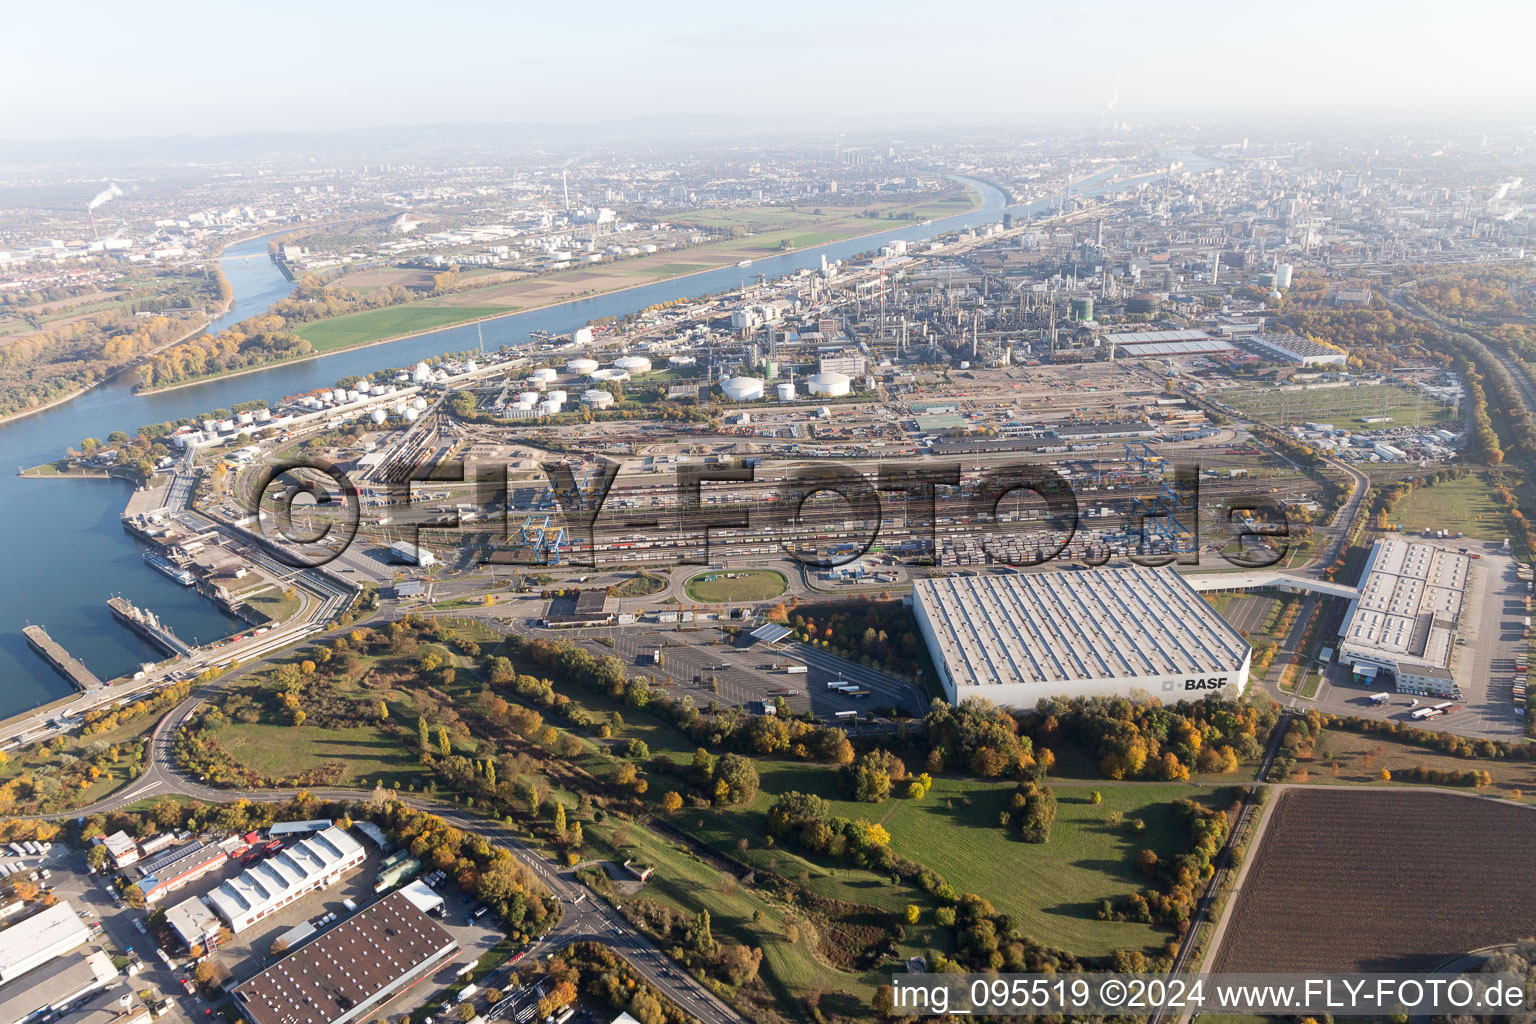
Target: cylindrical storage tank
1267,281
681,361
352,395
377,390
786,392
523,405
546,373
263,415
549,408
633,364
829,384
1283,275
528,396
379,415
596,399
245,419
225,426
581,367
609,373
557,396
471,366
410,415
742,389
422,374
1082,307
419,404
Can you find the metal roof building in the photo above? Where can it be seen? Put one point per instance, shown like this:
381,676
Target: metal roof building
40,938
310,864
1408,609
1018,638
350,971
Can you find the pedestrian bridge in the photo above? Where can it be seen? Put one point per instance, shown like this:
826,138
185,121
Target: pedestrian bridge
1258,579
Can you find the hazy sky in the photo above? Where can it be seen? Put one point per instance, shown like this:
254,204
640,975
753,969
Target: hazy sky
98,69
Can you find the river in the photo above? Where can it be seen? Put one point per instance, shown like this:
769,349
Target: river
68,552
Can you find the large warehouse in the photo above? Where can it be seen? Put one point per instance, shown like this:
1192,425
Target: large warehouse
1017,638
44,936
350,971
1402,626
267,887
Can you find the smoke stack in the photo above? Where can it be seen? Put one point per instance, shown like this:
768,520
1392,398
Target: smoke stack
94,236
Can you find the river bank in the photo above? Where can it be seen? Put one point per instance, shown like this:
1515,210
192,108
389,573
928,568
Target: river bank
977,202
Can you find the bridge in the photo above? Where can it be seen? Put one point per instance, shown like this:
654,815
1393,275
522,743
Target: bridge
1258,579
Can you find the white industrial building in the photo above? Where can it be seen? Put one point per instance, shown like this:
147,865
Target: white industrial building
296,871
1292,348
44,936
1404,622
1018,638
411,554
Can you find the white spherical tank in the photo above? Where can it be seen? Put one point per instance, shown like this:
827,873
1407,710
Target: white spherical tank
786,392
596,399
419,404
581,367
400,408
742,389
471,366
633,364
829,384
411,415
379,415
422,374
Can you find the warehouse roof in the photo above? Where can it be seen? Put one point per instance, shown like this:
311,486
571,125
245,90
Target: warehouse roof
347,966
266,884
58,924
1409,602
1057,627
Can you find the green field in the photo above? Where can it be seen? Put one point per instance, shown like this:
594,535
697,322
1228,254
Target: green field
281,750
1465,506
1052,889
341,332
752,585
1344,407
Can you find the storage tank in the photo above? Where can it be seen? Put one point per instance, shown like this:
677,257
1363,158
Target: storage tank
549,408
379,415
225,426
419,404
528,396
245,419
377,390
830,384
786,391
742,389
1267,281
547,373
400,407
557,396
596,399
263,415
680,361
1283,275
523,405
353,396
633,365
610,373
422,374
581,367
410,415
471,366
1082,307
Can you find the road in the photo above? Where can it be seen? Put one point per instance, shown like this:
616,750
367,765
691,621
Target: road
589,919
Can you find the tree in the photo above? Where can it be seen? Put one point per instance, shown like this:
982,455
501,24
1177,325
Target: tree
444,746
422,736
383,711
914,913
559,821
671,803
1385,775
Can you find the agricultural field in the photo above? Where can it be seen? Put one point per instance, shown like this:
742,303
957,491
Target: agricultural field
1345,407
721,587
391,322
1380,881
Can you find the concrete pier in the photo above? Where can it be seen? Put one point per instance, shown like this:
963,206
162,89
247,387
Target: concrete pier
66,664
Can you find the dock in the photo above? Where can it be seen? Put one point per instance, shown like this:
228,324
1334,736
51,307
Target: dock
143,622
66,664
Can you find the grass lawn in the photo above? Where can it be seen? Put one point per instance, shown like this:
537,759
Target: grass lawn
339,332
1465,506
639,585
1359,758
280,750
275,604
1314,682
720,587
1052,889
1342,406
